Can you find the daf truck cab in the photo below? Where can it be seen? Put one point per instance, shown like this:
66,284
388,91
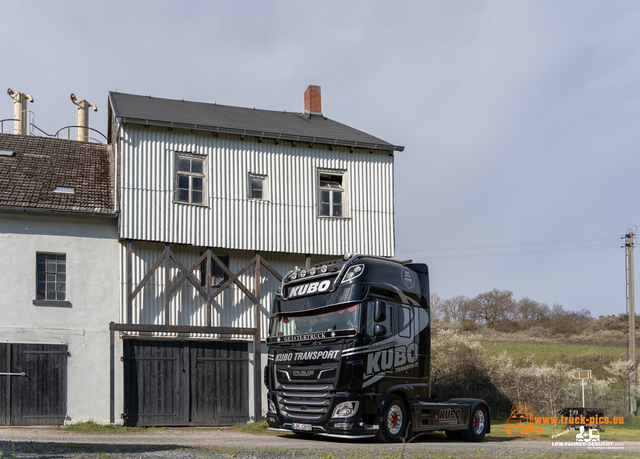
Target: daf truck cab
349,355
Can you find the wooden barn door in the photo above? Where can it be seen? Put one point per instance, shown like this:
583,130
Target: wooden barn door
154,383
219,383
33,384
185,383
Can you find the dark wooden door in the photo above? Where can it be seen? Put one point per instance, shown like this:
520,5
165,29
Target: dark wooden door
154,382
219,383
185,383
40,396
5,384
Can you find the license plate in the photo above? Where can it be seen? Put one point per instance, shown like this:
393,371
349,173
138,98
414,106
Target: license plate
304,427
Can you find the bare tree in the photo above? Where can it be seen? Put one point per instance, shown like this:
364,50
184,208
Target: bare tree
561,321
530,312
494,307
457,309
437,311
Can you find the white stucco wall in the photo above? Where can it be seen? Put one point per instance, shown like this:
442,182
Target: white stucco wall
92,250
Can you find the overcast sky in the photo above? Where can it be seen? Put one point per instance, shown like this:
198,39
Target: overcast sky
520,119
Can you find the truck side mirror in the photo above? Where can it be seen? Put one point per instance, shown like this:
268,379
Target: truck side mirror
380,313
379,330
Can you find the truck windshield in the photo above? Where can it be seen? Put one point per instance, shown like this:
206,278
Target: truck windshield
342,317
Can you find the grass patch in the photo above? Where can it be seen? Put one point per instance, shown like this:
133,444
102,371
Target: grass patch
260,427
627,432
595,358
95,428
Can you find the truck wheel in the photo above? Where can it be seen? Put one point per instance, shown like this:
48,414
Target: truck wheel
394,420
478,424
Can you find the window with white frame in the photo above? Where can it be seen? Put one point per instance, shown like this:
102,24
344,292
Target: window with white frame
51,276
257,186
331,194
190,179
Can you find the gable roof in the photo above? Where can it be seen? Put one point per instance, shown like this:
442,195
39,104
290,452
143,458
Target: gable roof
301,127
32,167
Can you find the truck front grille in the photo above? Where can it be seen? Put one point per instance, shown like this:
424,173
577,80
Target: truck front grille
310,402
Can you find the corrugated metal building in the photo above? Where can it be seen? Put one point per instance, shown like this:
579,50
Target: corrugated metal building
216,202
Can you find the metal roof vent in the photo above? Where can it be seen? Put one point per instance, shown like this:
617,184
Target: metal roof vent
20,112
82,123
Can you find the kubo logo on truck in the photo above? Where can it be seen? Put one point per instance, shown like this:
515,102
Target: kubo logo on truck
308,355
401,358
308,289
449,415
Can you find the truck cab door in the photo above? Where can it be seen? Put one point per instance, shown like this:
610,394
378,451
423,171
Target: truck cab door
406,350
380,337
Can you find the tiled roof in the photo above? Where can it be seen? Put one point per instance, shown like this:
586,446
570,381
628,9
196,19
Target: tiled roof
39,165
239,120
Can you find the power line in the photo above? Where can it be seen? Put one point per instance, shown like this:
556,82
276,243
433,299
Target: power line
526,252
517,244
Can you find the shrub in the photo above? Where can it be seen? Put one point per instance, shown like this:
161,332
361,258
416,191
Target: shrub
458,366
544,388
468,325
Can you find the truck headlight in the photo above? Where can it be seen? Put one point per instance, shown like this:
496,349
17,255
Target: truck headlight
353,272
272,406
345,409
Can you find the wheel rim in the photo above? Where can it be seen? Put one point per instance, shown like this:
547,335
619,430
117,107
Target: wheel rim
394,420
478,422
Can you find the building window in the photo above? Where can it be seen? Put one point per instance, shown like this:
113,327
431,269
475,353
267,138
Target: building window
51,277
332,194
189,179
219,277
257,186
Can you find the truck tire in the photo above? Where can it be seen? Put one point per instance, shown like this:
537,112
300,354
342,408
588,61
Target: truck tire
394,420
478,424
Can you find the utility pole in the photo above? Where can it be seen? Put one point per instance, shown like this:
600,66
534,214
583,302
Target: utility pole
633,388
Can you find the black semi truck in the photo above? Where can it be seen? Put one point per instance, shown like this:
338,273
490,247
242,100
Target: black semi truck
349,355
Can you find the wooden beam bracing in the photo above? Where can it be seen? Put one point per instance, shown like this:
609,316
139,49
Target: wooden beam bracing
236,281
167,283
187,274
209,283
257,346
275,273
129,281
209,292
233,278
182,329
147,276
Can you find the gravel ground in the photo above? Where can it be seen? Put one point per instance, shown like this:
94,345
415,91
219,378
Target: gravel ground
219,443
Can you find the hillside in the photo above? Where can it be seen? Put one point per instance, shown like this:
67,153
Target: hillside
535,365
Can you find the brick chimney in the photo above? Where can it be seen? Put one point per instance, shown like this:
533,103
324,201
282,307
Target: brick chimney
312,103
